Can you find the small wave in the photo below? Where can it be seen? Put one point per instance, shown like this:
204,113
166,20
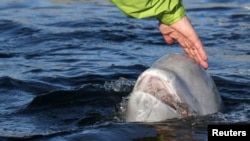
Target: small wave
7,55
232,88
86,95
120,85
29,86
9,27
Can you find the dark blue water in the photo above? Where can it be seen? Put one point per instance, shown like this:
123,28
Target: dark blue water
66,66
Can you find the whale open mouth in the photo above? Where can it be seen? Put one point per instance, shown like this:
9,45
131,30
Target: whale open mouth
160,84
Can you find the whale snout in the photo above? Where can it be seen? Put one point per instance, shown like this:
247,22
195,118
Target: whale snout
154,97
158,84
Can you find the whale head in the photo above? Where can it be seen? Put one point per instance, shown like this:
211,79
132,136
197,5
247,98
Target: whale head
174,87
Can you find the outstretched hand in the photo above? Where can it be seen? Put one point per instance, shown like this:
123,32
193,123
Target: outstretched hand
184,33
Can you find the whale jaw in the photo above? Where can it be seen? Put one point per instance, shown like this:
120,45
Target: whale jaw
147,109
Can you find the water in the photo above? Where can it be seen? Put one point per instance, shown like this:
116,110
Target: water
67,66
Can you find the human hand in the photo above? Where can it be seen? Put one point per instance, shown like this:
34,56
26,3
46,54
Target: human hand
184,33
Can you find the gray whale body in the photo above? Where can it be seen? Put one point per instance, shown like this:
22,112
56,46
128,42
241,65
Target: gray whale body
175,86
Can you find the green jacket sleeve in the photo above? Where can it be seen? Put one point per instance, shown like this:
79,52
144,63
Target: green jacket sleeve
167,11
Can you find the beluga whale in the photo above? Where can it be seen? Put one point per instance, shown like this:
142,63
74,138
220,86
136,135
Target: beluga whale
175,86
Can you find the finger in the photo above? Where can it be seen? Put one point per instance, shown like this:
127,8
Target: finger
165,29
199,59
195,54
190,47
186,45
204,64
201,50
168,39
200,54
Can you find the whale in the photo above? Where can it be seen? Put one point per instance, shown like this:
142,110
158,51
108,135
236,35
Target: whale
175,86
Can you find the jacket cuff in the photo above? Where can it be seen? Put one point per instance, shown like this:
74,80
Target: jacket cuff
173,16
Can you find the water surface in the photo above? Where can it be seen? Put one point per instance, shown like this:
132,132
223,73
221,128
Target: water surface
67,66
